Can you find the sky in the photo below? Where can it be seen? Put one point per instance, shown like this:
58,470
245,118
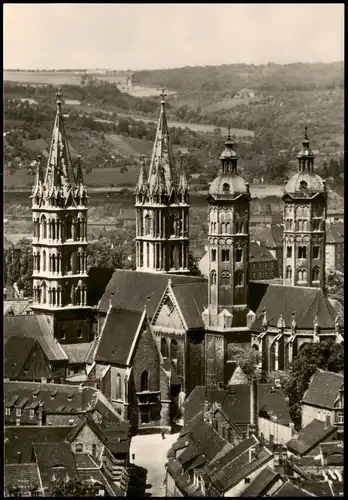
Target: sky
150,36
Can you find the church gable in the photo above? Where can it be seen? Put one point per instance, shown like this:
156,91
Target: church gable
145,360
168,314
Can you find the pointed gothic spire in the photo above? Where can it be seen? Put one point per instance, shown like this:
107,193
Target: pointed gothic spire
182,181
293,323
281,323
142,176
229,156
162,165
265,320
59,172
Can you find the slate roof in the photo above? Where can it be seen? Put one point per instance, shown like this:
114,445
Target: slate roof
54,458
133,289
17,307
309,437
318,488
335,232
117,335
21,475
85,461
236,402
263,481
17,352
77,353
306,302
333,452
289,490
57,398
271,236
97,475
323,389
192,299
98,278
258,253
21,439
35,327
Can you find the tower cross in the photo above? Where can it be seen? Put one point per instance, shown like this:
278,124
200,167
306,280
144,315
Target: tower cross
59,95
163,95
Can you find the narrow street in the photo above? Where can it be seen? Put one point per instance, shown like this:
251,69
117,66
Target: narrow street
151,454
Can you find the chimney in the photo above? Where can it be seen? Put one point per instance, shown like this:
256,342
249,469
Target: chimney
41,405
254,406
292,427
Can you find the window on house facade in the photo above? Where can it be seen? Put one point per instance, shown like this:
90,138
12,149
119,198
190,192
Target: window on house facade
173,349
316,274
79,333
340,418
302,275
18,412
316,252
62,334
7,411
302,252
213,255
144,415
31,413
247,480
79,447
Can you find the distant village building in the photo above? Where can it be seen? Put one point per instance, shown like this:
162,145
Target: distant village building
334,249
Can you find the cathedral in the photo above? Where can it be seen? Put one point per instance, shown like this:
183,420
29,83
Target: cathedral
157,332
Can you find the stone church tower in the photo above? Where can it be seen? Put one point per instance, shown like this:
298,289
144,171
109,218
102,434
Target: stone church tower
228,248
304,216
162,209
59,207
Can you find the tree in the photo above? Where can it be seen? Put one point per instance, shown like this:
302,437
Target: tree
326,355
335,285
74,488
248,359
194,271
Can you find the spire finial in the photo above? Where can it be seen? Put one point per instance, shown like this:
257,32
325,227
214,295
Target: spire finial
163,95
59,95
229,133
306,135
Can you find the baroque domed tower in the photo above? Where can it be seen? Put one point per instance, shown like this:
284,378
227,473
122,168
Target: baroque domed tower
228,245
305,201
59,207
162,207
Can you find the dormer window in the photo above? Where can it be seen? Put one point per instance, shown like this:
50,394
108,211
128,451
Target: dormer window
31,413
226,188
303,185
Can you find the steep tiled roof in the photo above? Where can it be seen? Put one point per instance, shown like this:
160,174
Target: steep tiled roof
97,475
335,232
236,402
22,476
260,485
35,327
21,439
258,253
16,354
98,278
54,458
333,452
318,488
117,335
306,302
309,437
271,236
85,461
57,398
323,389
77,353
289,490
192,299
133,289
17,307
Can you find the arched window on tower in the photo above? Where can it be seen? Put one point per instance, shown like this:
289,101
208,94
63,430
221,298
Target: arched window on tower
126,388
213,278
225,255
239,254
238,278
44,260
144,381
316,274
302,275
147,224
43,227
228,228
303,185
68,227
225,278
225,188
44,292
118,387
223,228
164,348
288,273
173,350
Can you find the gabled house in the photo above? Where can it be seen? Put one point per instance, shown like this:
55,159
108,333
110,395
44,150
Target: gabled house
310,437
324,399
